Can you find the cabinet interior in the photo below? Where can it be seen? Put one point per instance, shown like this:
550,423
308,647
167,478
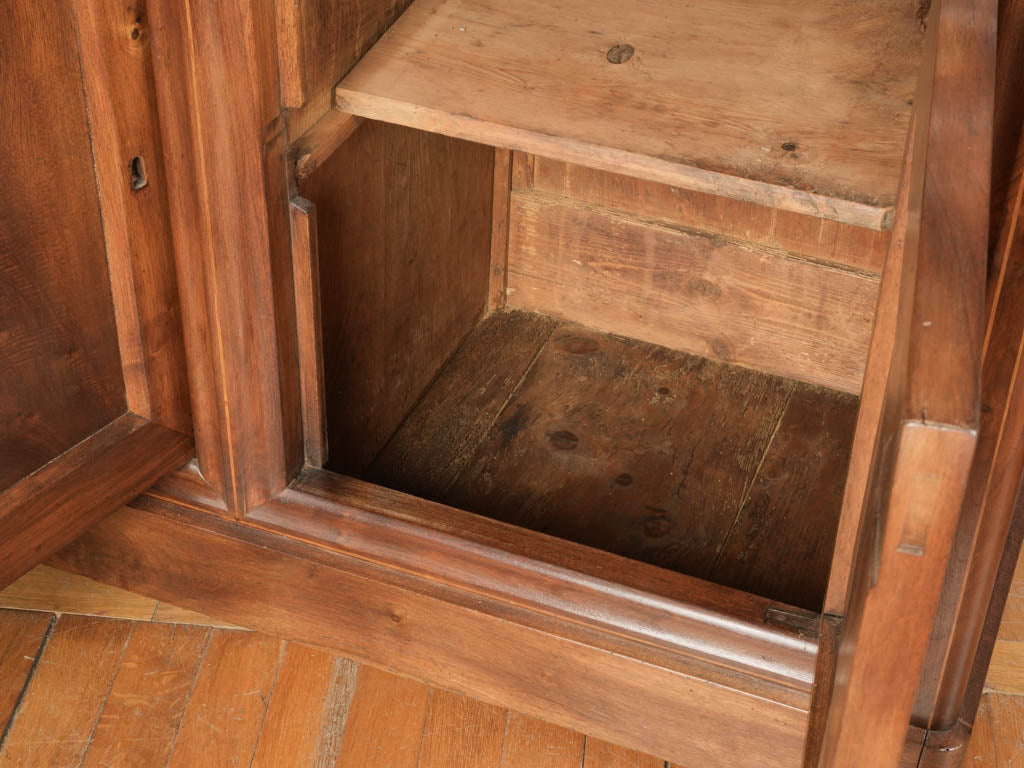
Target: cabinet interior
627,304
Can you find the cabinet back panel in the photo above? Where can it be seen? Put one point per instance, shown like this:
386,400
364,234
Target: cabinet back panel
60,366
404,228
782,293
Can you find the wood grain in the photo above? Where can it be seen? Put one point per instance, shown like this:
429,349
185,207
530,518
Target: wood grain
823,139
48,589
996,740
690,291
55,721
437,439
147,699
62,378
404,228
497,291
54,504
811,237
306,273
626,447
316,145
601,754
308,710
532,743
114,38
616,690
385,721
23,636
462,733
229,702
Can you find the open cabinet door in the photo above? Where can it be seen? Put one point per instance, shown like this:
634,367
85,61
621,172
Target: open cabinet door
94,402
920,404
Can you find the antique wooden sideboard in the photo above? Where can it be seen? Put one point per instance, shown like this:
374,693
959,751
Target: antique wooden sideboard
647,367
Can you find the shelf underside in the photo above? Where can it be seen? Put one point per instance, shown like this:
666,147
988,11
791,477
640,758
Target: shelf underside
799,106
712,470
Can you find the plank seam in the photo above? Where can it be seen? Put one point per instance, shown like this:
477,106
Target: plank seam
188,698
28,680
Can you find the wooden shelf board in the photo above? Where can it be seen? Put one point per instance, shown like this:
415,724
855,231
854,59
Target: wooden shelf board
800,106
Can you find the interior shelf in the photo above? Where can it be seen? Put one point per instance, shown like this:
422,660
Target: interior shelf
713,470
795,105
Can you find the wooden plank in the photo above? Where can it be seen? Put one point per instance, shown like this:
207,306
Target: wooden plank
172,614
114,38
781,543
996,739
436,441
144,708
626,447
830,147
53,505
691,291
497,291
23,635
48,589
55,722
403,228
312,149
536,744
58,351
1006,670
462,733
306,271
326,38
814,238
601,754
385,722
307,713
626,692
229,702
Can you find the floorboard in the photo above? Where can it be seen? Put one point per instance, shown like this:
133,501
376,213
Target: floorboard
462,733
698,466
22,637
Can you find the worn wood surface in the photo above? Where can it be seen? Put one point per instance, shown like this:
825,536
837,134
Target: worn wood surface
404,232
532,743
61,368
54,504
23,636
690,290
502,200
461,732
819,131
996,740
808,236
114,38
634,449
314,147
591,680
306,275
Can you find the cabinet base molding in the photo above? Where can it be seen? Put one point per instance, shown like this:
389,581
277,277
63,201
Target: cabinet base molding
521,655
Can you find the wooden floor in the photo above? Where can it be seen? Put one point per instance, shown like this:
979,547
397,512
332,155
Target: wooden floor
713,470
94,676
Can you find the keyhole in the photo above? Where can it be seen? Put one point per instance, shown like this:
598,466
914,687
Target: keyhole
138,173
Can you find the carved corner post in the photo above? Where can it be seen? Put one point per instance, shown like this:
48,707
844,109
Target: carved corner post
218,93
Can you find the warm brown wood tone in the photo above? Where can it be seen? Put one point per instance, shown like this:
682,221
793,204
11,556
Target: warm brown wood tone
830,146
929,422
1008,119
55,504
601,754
497,291
51,590
789,518
997,731
532,743
404,232
115,47
314,147
690,290
633,449
23,636
808,236
461,733
228,204
61,369
594,680
385,722
323,39
308,710
162,660
994,484
306,274
57,716
228,705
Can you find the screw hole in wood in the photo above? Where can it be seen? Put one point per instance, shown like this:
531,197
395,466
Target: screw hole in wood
620,54
138,173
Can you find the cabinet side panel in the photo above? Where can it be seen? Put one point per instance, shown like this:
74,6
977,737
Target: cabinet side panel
59,362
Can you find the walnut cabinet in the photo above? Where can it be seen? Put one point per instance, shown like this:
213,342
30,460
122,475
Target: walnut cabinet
647,367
